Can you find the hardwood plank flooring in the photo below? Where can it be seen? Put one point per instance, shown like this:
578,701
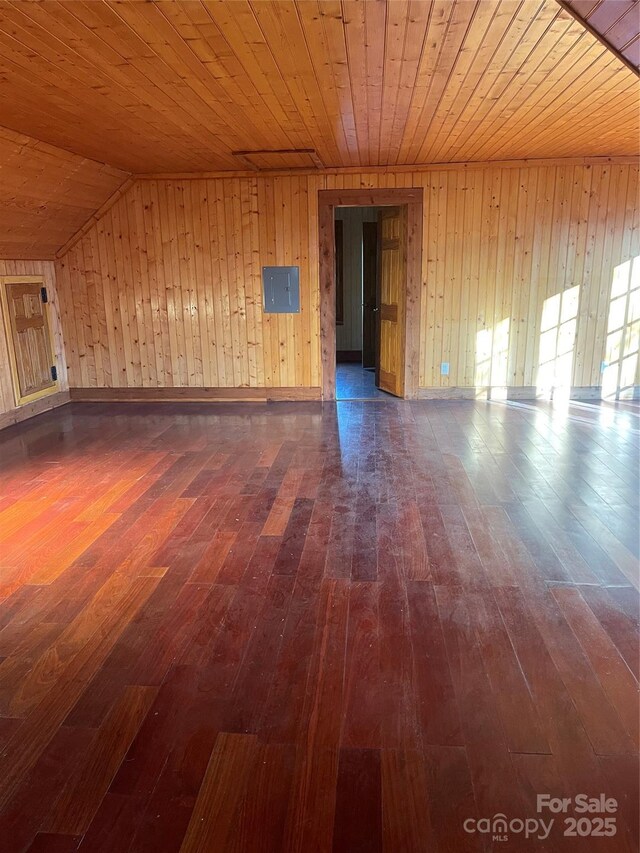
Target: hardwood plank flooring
305,627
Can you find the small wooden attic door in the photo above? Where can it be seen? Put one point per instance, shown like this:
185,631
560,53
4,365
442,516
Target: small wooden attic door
24,306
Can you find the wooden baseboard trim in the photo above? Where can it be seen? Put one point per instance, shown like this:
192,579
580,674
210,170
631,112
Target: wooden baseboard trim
594,392
194,395
516,392
459,392
453,393
586,392
348,356
280,395
30,410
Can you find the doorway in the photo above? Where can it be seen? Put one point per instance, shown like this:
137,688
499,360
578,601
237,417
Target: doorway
370,344
24,306
357,313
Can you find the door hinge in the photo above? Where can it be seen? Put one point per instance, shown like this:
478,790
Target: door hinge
54,373
43,294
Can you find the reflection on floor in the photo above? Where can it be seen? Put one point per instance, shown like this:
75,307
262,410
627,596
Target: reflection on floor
353,382
305,627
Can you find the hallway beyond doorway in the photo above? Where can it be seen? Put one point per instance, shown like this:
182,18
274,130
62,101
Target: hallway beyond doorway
354,382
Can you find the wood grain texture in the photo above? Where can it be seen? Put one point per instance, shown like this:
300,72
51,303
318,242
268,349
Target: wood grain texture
180,86
47,194
29,338
310,627
83,793
9,411
148,313
514,289
617,25
225,782
197,395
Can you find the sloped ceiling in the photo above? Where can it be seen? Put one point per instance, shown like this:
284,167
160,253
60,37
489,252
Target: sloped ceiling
46,195
178,86
615,22
172,86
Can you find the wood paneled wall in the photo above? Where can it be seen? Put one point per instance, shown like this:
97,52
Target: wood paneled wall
500,244
9,412
165,289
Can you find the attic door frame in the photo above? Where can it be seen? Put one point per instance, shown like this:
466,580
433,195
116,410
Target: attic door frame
328,200
5,282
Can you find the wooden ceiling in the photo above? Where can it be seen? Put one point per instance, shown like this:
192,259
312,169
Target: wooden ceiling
178,86
46,195
615,22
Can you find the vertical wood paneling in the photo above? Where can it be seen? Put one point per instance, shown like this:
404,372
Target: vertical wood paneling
501,241
47,270
175,271
165,290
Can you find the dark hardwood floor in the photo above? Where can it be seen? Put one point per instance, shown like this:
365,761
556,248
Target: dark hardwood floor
292,627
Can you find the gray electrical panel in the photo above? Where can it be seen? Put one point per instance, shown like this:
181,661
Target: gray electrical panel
281,287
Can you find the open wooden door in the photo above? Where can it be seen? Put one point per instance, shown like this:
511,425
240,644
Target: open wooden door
28,339
392,242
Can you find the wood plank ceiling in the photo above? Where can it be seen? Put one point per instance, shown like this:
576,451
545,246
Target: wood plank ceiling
46,195
178,86
616,22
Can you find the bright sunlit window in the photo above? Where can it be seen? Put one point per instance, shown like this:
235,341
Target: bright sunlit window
557,341
620,374
492,360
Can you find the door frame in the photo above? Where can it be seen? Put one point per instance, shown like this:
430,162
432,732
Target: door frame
328,200
6,280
